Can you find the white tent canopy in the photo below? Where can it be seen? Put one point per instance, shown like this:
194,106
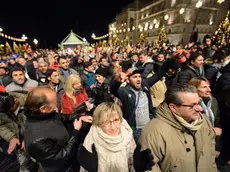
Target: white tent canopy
71,41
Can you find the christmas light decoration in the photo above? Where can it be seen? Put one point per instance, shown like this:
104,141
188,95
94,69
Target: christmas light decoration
162,37
222,35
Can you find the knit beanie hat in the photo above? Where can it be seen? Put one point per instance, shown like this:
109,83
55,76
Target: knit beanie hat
102,71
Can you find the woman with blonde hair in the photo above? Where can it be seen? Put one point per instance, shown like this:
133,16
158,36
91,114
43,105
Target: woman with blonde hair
112,139
75,96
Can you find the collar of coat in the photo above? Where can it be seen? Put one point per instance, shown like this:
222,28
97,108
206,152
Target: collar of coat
165,114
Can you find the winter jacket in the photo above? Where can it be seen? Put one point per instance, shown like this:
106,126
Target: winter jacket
176,148
224,79
157,92
41,77
186,75
31,70
27,86
128,97
48,143
62,76
84,80
75,65
5,80
102,93
223,99
148,68
12,125
68,105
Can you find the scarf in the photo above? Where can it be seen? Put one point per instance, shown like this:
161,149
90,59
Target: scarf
114,152
194,126
208,111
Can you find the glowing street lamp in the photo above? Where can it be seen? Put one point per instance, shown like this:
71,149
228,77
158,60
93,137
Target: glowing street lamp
35,42
93,36
1,30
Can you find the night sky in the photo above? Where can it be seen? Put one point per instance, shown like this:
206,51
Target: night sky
50,21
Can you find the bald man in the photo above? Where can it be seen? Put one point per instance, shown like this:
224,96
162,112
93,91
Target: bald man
46,139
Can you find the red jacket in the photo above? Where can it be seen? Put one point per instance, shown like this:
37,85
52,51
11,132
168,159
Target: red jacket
54,66
68,105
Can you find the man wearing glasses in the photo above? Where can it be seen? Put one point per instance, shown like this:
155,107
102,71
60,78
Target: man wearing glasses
180,138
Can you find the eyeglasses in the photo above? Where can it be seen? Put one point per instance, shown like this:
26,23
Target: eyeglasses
109,123
191,107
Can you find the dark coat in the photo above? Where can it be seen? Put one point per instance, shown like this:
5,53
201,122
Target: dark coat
49,144
75,65
148,68
6,80
102,93
224,79
223,99
187,74
128,97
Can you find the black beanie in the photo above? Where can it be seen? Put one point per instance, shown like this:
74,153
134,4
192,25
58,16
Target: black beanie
102,71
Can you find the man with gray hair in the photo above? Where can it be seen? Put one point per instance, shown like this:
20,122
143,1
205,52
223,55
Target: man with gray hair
41,74
180,137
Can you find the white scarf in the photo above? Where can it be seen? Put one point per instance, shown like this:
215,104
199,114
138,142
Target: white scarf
114,152
208,111
194,126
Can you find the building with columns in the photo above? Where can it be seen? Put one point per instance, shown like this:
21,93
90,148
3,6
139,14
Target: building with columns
179,17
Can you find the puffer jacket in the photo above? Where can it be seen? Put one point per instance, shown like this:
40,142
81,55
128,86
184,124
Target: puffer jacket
177,149
27,86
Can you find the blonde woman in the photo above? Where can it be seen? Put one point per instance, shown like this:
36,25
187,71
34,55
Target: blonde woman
75,96
112,139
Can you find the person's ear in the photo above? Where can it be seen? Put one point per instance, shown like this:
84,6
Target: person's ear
49,78
172,107
42,109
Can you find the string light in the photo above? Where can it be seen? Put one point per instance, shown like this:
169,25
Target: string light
11,38
100,37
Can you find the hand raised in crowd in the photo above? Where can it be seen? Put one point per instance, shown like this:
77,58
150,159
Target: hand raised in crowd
88,160
143,160
121,76
13,143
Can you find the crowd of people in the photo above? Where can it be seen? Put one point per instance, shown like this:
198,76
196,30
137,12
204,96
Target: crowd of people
116,109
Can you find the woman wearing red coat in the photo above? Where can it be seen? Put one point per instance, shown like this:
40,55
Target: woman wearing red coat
75,100
74,96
